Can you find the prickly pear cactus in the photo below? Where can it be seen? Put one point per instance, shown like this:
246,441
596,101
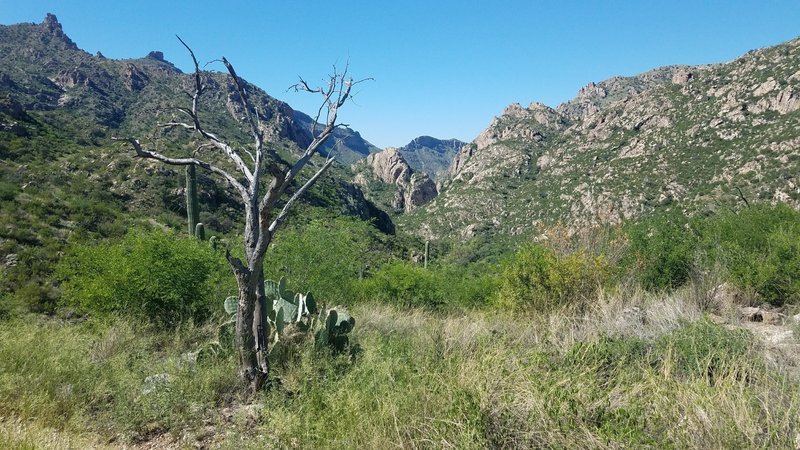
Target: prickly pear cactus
295,315
338,324
231,303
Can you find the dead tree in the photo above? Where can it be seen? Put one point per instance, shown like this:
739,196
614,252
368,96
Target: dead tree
263,184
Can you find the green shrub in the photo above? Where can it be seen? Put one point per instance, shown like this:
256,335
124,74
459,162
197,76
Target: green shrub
158,276
662,250
325,257
760,249
8,191
537,279
446,286
402,283
470,286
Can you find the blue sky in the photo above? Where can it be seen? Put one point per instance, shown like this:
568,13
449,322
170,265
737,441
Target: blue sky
441,68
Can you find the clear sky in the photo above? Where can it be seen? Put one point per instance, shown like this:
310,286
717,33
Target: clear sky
441,68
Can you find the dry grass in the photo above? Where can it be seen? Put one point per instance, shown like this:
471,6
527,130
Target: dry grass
18,435
634,370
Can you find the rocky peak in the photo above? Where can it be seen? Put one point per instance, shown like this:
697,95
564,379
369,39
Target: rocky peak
592,90
52,26
514,110
157,55
414,189
430,155
389,166
431,143
522,124
682,76
51,23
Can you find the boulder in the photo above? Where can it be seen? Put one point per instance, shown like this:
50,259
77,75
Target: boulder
754,314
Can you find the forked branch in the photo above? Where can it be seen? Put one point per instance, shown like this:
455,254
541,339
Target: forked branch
150,154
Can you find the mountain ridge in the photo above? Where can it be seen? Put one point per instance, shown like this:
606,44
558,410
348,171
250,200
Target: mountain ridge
44,70
688,137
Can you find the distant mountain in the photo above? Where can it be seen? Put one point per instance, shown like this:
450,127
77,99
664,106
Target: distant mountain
430,155
346,144
693,138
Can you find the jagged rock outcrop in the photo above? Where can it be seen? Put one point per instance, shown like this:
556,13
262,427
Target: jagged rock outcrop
388,167
135,79
52,25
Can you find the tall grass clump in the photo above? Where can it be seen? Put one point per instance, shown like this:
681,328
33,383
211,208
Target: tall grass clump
119,378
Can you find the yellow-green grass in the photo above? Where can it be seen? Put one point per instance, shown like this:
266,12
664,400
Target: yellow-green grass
635,370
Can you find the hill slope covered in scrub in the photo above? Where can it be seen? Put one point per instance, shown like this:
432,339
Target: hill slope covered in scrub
695,139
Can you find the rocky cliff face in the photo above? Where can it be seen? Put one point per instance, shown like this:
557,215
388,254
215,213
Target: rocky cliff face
387,177
675,137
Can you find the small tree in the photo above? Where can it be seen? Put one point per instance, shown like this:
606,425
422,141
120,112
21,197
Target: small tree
261,185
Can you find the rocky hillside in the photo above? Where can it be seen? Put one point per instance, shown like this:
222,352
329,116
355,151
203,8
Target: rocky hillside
694,138
388,179
61,173
430,155
44,70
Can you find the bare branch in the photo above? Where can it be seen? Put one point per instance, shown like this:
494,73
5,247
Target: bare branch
245,101
253,158
192,113
285,211
198,84
171,125
741,196
201,147
143,153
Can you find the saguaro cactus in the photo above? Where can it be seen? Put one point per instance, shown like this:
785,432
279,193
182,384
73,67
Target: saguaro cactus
200,231
192,208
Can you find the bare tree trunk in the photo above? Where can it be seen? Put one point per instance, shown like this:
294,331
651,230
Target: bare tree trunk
252,328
